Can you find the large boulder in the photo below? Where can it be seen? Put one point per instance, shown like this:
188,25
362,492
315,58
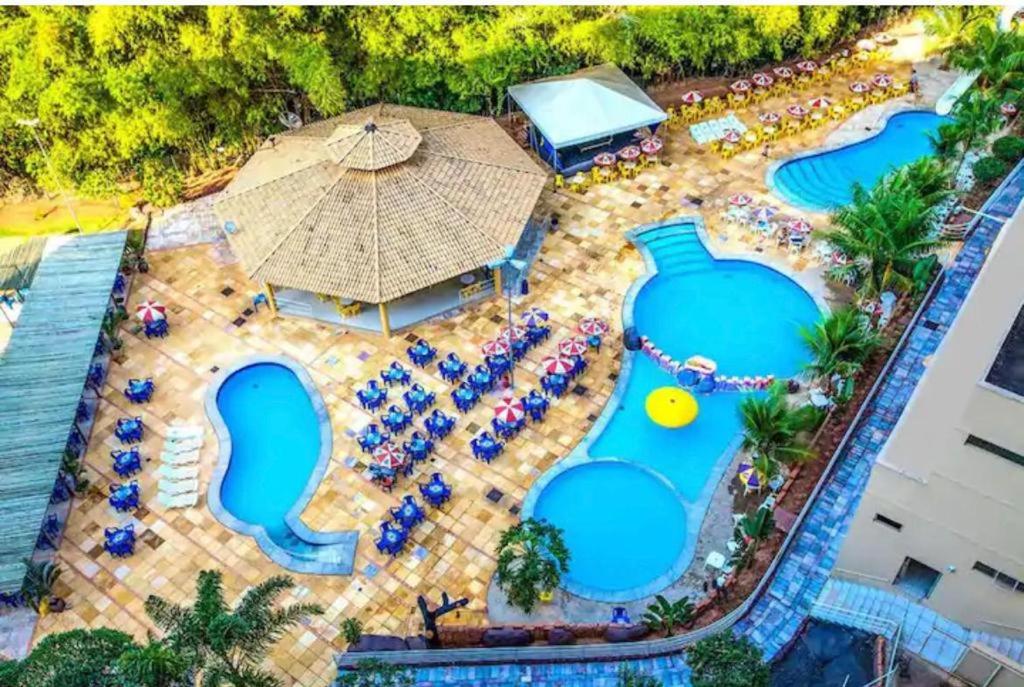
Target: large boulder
559,636
379,643
507,636
625,633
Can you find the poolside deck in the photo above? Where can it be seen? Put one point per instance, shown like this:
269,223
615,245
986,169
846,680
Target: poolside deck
584,268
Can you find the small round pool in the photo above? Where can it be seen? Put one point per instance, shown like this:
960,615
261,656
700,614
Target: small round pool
625,527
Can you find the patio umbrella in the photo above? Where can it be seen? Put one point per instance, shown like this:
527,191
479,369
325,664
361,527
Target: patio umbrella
605,159
509,409
800,226
496,347
692,97
387,455
769,117
576,345
652,145
534,317
150,311
883,39
556,365
749,475
731,136
859,87
741,86
1008,109
593,326
783,72
508,335
882,80
807,66
865,45
819,103
764,213
630,153
762,80
740,199
797,111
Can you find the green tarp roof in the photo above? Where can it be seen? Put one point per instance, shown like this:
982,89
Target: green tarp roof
42,375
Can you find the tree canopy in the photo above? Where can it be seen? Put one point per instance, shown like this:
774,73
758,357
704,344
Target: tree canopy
153,93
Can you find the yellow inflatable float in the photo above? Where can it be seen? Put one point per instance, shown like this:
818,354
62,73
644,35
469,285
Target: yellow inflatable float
671,407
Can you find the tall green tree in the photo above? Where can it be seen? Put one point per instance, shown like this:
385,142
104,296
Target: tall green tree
839,344
772,428
725,660
79,658
532,557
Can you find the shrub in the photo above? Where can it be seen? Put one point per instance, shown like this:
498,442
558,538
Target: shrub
630,677
724,660
1008,148
988,170
351,630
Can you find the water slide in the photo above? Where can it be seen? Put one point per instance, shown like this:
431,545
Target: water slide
945,104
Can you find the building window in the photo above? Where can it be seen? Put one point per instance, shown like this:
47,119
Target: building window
994,449
917,579
888,521
1001,578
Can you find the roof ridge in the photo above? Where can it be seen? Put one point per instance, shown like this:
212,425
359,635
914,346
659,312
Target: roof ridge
425,150
376,237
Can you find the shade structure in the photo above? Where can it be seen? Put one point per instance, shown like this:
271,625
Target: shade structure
731,136
509,409
508,335
783,72
819,103
380,202
592,326
740,199
652,145
764,213
630,153
762,80
556,365
610,99
388,455
496,347
769,117
797,111
604,159
750,476
859,87
692,97
807,65
576,345
741,86
534,317
882,80
150,310
800,226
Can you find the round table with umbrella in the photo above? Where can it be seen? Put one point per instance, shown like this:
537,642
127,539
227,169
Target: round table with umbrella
651,146
604,159
740,200
731,136
860,87
762,80
741,86
783,72
509,410
593,326
507,335
556,365
150,311
575,345
882,80
692,98
797,111
534,317
750,477
799,226
819,103
389,456
764,214
807,66
630,153
769,118
496,347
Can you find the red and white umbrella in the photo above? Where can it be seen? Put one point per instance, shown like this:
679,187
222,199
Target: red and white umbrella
576,345
762,80
741,86
819,103
630,153
764,213
783,72
797,111
692,97
150,311
1008,109
495,347
859,87
508,335
509,409
592,326
769,117
604,159
556,365
387,455
807,66
882,80
740,199
731,136
799,226
652,145
534,317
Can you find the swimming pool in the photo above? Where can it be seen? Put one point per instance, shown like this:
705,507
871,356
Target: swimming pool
275,442
631,497
822,180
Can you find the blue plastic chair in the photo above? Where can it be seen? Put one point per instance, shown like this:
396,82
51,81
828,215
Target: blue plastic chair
436,492
119,541
451,368
409,514
124,497
127,463
439,425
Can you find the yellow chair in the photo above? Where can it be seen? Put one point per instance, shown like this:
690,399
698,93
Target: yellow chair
595,175
715,146
559,181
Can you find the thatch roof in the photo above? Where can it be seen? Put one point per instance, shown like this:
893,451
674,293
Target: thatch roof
379,202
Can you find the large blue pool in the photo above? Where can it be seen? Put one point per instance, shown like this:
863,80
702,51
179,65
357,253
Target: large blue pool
275,444
824,180
632,496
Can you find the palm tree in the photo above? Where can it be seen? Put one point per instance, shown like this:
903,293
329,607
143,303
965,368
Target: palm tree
839,344
227,645
37,587
952,27
771,428
532,557
975,117
996,55
666,616
153,665
753,529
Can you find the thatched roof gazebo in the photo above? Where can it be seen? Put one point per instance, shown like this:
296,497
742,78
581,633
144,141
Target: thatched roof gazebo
375,207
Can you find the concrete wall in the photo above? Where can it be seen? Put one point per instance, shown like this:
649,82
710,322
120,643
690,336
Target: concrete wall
957,503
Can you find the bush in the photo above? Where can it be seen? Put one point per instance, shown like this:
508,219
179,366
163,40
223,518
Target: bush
351,630
988,170
1008,148
724,660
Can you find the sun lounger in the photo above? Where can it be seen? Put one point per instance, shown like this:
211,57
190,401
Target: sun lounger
173,472
177,432
186,458
180,487
182,446
178,500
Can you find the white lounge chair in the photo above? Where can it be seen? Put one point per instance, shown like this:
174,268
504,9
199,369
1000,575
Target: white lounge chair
177,473
178,487
182,445
178,500
185,432
187,458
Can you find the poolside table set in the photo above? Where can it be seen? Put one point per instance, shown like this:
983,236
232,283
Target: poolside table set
126,463
418,399
394,535
129,430
421,353
372,396
119,542
124,497
139,390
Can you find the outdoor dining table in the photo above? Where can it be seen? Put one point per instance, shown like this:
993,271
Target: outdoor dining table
408,514
435,491
819,400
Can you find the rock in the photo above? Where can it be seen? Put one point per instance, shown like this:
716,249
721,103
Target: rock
417,643
379,643
625,633
506,636
559,636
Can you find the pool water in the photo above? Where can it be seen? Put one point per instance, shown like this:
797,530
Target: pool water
632,526
822,181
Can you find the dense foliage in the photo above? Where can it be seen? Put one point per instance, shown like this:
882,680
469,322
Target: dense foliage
80,658
772,428
724,660
375,673
839,344
1008,148
989,170
156,93
631,677
532,557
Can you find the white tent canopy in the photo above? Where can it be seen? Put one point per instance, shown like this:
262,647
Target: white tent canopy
586,105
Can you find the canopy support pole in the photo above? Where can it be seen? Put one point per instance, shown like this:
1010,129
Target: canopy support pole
385,323
271,299
496,271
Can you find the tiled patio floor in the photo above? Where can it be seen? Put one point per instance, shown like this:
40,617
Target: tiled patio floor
584,268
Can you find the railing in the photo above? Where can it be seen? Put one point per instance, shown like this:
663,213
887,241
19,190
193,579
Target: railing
891,630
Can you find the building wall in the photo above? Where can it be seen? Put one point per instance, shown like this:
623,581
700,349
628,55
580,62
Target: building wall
957,503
